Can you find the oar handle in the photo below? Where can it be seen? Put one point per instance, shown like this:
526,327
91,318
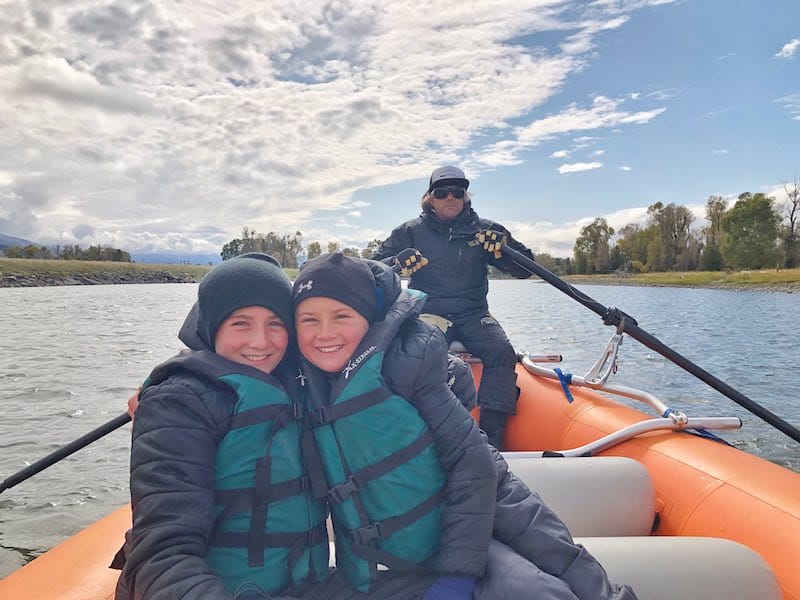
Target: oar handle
64,451
626,323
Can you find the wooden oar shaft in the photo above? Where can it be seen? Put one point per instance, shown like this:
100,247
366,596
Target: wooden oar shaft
626,323
64,451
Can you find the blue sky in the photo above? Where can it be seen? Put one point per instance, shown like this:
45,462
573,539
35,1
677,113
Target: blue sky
159,126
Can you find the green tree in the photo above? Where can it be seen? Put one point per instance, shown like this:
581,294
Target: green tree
14,252
314,249
751,233
631,247
30,251
789,232
711,256
333,247
371,249
591,249
351,252
231,249
282,247
674,225
547,261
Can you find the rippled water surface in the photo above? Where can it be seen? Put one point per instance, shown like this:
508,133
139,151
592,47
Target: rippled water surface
71,356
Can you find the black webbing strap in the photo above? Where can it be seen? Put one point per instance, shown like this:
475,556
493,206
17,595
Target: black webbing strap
314,465
326,414
374,532
341,492
258,517
262,414
238,539
236,500
374,555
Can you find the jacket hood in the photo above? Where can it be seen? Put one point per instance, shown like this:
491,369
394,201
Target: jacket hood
188,333
387,284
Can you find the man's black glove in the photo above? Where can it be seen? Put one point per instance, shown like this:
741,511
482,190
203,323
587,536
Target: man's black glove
492,241
410,261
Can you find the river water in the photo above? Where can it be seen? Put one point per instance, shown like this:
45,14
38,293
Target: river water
71,356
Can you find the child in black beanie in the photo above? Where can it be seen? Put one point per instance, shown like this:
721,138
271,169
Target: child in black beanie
396,446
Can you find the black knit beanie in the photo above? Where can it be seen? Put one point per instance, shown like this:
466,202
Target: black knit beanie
336,276
252,279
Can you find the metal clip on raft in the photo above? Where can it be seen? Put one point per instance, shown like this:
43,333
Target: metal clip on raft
608,360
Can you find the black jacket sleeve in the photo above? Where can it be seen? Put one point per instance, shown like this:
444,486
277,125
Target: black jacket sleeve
179,424
398,240
419,374
504,263
461,383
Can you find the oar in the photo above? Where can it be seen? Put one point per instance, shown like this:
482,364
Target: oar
626,323
64,451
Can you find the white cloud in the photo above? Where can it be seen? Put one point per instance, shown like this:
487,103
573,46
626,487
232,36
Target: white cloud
720,151
559,239
354,213
792,104
157,126
603,113
789,49
560,154
624,168
597,153
576,167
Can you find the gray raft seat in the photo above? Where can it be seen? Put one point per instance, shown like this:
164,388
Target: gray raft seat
676,567
594,496
608,505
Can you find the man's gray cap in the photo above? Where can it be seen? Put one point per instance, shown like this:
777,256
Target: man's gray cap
444,176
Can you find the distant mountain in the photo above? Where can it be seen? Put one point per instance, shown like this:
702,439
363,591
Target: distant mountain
157,258
174,258
6,241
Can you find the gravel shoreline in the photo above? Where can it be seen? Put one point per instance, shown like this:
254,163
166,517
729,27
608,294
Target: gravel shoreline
100,278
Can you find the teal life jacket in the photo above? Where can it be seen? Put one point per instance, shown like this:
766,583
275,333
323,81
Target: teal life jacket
268,528
384,478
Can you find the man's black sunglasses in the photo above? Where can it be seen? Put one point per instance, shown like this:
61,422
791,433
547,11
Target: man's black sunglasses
441,193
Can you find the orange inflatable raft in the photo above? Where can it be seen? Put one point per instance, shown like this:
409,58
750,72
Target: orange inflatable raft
720,523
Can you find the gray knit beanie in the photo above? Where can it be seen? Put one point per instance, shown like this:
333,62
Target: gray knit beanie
251,279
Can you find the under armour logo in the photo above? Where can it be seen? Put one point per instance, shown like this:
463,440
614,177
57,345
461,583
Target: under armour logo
305,286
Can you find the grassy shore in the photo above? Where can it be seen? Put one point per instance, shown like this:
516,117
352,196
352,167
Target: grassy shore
22,272
784,280
67,268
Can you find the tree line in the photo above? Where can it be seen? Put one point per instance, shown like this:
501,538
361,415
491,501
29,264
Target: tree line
289,249
68,252
755,232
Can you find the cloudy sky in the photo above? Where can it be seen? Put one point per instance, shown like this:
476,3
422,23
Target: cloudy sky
168,125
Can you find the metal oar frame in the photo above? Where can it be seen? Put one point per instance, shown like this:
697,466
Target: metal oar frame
624,323
670,420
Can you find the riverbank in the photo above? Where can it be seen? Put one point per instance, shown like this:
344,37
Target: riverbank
784,280
19,272
22,272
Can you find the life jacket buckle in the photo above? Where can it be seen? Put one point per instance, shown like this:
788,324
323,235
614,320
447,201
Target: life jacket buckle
341,492
367,534
298,413
320,416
